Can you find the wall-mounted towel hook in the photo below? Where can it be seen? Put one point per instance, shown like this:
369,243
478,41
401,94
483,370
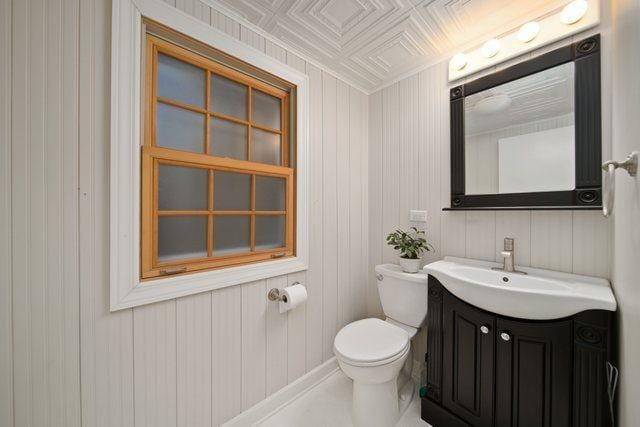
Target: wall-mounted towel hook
630,164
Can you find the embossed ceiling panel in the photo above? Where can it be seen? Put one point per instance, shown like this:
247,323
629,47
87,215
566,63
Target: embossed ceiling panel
373,42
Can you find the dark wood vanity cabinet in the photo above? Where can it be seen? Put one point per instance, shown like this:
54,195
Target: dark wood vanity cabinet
487,370
533,373
469,353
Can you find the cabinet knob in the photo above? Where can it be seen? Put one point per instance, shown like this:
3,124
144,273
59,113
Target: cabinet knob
505,336
484,329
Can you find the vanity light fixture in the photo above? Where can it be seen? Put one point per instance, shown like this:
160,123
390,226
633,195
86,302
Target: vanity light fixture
459,61
490,48
573,12
528,32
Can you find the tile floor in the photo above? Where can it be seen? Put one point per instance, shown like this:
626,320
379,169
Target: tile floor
329,404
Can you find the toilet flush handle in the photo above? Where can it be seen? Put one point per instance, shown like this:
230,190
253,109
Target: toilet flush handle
380,277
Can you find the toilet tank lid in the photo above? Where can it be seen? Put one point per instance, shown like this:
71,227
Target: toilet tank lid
394,270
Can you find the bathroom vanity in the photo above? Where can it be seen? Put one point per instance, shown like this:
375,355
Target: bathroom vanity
491,368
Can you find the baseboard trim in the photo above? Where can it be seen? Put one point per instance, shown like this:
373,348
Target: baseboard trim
283,397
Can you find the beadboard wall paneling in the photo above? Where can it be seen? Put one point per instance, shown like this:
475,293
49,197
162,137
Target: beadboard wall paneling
154,332
409,169
65,359
44,284
329,215
6,315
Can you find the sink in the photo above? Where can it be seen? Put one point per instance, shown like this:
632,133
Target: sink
538,295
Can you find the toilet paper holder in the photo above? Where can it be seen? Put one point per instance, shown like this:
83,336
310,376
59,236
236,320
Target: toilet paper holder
275,295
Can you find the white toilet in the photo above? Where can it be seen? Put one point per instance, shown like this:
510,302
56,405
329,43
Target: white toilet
376,354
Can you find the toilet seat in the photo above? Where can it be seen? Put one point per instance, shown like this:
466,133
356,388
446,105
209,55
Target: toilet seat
371,342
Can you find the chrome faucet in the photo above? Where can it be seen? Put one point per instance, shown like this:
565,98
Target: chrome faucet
508,255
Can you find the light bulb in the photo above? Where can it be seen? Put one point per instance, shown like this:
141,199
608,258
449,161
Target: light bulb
459,61
491,48
573,12
528,32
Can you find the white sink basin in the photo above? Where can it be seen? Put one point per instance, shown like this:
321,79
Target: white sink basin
538,295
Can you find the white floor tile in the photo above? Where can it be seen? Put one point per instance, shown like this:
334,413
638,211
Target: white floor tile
329,404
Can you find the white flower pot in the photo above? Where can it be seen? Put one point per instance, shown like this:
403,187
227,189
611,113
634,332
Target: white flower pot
410,265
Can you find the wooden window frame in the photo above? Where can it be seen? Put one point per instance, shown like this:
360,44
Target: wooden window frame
154,155
131,21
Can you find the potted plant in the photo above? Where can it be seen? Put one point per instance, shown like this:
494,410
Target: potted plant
411,245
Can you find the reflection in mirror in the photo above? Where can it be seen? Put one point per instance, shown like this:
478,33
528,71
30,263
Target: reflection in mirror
520,137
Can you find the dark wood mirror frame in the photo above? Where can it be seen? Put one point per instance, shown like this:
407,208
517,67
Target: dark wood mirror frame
587,195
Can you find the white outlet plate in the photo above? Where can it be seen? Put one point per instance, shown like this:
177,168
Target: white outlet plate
417,216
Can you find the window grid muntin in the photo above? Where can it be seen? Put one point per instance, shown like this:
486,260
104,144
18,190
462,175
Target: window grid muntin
159,46
211,211
287,174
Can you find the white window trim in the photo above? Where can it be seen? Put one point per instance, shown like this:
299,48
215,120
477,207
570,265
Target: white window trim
126,136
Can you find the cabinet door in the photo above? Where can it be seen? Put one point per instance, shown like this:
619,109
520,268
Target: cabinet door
468,362
533,373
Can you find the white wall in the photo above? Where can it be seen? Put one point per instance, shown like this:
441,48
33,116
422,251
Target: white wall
409,169
196,361
482,154
626,216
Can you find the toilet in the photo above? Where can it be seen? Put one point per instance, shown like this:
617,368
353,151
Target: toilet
376,354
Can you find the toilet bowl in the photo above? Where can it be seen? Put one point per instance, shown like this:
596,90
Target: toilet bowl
372,353
376,354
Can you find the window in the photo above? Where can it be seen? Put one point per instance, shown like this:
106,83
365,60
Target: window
216,178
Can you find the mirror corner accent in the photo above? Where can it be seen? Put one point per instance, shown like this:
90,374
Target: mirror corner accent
587,46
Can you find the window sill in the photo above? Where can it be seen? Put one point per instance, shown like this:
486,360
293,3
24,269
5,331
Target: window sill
150,291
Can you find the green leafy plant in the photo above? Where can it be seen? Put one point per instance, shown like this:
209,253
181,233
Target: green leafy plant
411,244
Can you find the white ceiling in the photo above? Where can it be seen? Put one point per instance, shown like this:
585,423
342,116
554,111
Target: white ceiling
544,95
371,43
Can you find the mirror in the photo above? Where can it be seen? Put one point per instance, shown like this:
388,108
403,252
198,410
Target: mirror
520,136
529,135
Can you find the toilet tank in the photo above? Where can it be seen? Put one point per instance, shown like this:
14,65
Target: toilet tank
403,295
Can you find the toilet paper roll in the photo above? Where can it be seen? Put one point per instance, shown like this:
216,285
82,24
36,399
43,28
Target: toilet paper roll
292,297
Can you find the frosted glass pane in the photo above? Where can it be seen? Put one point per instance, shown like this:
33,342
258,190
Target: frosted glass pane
228,139
265,147
270,193
180,129
230,235
231,191
182,188
228,97
269,231
180,81
266,109
182,237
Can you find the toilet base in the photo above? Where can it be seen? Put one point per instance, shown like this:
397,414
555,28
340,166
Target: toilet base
381,405
375,405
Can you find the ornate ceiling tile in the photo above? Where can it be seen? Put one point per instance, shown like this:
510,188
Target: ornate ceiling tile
372,42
